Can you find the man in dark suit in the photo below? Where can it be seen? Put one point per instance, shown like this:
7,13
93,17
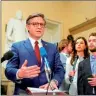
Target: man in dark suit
27,68
87,70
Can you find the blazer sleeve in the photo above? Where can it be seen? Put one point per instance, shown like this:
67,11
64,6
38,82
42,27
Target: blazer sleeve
68,69
80,79
12,65
63,59
58,68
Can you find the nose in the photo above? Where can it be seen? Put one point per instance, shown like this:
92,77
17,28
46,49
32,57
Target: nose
78,44
39,26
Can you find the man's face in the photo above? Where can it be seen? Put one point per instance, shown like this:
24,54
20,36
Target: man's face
92,43
36,27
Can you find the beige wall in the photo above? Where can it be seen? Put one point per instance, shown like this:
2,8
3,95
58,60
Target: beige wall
52,10
85,33
69,14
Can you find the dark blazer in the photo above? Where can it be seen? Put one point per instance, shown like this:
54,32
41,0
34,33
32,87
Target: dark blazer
84,71
24,50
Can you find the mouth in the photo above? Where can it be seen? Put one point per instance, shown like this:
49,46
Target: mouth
91,46
38,31
78,47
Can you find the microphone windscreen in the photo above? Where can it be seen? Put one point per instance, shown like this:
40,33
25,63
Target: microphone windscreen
8,55
43,52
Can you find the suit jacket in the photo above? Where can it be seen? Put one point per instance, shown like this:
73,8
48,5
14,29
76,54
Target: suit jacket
24,50
84,72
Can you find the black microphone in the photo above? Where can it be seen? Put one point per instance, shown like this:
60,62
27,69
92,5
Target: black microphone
8,55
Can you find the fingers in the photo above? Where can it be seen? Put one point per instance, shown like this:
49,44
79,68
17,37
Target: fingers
52,86
92,81
94,75
42,87
72,73
25,63
28,72
31,76
34,67
32,72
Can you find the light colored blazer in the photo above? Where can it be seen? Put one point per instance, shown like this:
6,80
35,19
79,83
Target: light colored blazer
69,67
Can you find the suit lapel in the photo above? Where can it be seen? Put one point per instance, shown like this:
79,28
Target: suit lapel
88,65
29,47
45,45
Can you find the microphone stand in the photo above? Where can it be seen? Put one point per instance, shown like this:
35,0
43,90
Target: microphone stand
48,86
48,75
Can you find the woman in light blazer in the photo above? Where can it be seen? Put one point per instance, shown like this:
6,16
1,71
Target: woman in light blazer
80,53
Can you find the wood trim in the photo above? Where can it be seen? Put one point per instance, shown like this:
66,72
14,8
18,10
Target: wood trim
83,26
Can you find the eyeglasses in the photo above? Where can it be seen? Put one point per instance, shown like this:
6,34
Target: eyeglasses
36,24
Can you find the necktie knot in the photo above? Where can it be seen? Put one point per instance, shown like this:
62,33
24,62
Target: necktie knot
36,42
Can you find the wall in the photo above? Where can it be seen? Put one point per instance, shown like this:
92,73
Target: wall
68,13
52,10
85,33
81,12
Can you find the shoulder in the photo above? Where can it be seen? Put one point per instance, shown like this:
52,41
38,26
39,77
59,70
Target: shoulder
68,60
84,62
11,21
48,44
19,43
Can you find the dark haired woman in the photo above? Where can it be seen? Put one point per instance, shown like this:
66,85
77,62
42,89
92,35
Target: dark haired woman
79,54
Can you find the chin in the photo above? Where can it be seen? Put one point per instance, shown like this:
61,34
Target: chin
93,50
38,36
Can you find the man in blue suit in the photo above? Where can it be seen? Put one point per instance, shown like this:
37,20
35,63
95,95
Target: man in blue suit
24,68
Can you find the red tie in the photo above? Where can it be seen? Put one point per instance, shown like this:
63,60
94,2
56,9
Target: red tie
37,52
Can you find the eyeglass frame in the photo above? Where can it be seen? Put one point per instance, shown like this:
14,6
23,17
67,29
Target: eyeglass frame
36,24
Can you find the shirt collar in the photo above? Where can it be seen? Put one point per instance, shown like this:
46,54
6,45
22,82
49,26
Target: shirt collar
93,57
67,55
33,42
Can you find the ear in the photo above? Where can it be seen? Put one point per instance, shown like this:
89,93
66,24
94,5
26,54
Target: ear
27,26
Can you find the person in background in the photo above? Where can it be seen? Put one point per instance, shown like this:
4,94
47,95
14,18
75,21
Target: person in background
63,50
27,67
65,47
86,83
80,52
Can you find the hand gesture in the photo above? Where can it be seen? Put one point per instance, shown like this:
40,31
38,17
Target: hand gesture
72,73
28,72
92,81
52,86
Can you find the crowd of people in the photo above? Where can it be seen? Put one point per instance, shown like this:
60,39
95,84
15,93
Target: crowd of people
79,65
72,66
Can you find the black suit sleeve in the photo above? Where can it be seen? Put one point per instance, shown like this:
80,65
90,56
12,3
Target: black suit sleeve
80,80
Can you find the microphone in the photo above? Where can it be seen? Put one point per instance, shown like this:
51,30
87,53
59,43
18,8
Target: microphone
43,53
8,55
